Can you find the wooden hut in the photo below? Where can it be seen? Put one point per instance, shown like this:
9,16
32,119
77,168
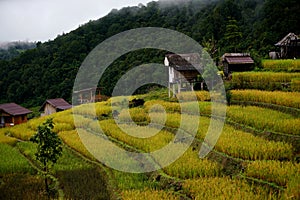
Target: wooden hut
237,62
289,46
12,114
183,71
89,95
51,106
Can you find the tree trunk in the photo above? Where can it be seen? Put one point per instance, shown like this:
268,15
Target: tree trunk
46,179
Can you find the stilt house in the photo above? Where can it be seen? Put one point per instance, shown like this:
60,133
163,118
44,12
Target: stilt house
183,71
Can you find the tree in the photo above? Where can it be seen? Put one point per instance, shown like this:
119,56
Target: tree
232,34
210,72
49,147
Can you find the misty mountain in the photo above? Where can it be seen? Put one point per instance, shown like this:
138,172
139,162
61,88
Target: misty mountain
9,50
49,70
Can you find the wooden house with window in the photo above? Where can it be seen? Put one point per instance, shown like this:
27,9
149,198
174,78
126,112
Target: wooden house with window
237,62
51,106
183,71
12,114
289,46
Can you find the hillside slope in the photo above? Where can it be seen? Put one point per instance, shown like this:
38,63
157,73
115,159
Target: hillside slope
48,71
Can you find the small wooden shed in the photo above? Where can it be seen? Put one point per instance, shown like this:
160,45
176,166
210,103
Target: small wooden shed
237,62
183,71
51,106
289,46
12,114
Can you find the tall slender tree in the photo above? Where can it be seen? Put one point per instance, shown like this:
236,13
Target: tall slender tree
49,148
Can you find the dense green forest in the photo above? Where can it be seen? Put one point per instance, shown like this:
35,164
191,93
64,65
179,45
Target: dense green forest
49,70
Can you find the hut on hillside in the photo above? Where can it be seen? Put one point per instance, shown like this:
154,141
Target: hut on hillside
237,62
183,71
88,95
12,114
51,106
289,46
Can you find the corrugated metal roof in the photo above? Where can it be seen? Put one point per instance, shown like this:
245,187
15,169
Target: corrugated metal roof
14,109
58,103
239,60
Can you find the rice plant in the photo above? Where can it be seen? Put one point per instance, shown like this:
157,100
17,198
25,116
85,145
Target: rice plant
150,194
289,99
11,161
225,188
262,80
189,166
287,65
264,119
274,171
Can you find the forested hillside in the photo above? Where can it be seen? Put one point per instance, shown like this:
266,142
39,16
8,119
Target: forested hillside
48,71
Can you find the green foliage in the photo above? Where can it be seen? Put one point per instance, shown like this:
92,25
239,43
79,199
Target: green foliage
49,147
12,161
49,70
232,35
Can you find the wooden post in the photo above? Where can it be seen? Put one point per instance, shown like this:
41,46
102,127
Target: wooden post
169,86
80,96
173,90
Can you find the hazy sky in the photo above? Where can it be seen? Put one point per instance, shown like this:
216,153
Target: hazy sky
41,20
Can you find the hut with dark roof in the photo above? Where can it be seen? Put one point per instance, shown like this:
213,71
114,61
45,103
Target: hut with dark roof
237,62
12,114
54,105
289,46
183,71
